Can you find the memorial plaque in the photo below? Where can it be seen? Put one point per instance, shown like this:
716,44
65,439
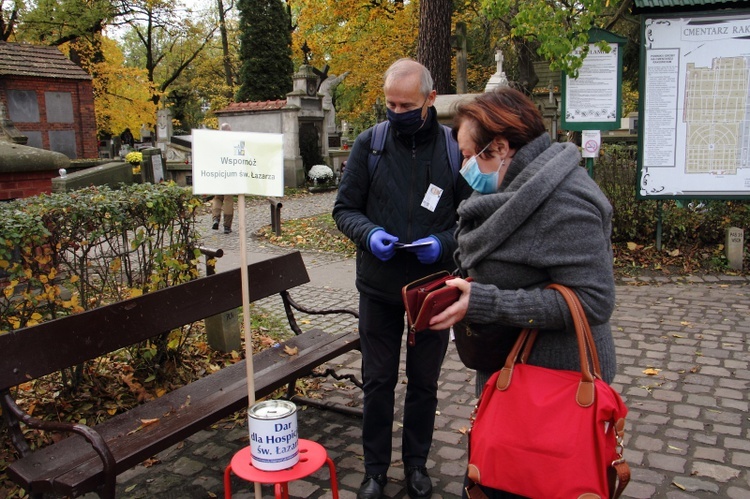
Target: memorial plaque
23,106
34,139
63,141
59,107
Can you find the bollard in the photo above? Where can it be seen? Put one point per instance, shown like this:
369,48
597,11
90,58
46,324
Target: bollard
222,330
735,247
275,215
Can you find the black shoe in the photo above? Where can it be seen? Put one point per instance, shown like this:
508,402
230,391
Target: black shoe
372,487
418,484
215,226
227,230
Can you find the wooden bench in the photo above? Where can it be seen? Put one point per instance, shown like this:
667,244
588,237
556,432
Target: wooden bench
92,457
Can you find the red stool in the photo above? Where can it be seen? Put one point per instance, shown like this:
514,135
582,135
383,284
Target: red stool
312,456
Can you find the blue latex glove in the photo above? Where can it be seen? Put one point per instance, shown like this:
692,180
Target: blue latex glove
427,254
381,245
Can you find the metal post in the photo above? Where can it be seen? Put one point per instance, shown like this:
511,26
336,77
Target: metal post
658,224
275,215
210,254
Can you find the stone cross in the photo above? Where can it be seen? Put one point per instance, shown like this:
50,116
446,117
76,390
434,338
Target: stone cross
498,79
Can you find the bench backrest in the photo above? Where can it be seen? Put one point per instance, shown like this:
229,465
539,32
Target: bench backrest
35,351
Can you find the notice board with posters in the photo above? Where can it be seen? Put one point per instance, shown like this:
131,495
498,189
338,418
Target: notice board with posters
694,119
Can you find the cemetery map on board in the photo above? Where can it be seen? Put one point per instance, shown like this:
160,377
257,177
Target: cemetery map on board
696,107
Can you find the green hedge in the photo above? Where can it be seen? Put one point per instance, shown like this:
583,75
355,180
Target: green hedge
68,252
698,222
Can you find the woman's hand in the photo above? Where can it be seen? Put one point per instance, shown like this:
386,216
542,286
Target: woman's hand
455,312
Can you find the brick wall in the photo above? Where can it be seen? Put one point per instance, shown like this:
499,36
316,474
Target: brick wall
24,184
84,118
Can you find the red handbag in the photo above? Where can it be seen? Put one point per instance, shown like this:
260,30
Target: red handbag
426,298
547,433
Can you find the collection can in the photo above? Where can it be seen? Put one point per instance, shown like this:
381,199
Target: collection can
274,440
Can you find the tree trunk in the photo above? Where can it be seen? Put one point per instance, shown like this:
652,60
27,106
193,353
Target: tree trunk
433,42
527,77
229,77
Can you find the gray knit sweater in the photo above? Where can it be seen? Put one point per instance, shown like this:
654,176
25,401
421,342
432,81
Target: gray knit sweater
548,222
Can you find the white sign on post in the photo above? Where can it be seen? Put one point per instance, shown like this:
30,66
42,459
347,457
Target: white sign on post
591,141
226,162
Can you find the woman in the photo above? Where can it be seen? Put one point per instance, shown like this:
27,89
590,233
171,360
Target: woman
535,218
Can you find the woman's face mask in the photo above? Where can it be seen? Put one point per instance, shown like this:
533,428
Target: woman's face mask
407,123
484,183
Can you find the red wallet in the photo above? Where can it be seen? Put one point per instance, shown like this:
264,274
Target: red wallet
425,298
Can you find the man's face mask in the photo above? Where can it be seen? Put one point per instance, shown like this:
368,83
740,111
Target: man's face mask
409,122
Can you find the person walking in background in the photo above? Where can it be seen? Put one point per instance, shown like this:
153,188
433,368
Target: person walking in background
223,204
411,196
536,218
127,139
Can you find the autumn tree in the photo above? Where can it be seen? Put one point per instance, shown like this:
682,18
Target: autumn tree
122,95
164,42
361,37
56,22
552,30
265,50
9,11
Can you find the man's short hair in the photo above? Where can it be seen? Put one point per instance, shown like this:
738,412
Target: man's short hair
406,67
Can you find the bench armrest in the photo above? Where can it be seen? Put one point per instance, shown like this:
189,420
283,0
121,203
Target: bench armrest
290,303
13,414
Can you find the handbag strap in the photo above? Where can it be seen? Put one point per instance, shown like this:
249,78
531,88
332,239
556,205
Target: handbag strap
589,360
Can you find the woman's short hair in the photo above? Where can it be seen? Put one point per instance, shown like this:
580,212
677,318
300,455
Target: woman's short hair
504,112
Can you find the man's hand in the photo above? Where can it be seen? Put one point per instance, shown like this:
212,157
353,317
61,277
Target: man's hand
429,253
381,245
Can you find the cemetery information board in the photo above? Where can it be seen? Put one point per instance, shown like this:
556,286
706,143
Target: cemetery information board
227,162
694,126
591,101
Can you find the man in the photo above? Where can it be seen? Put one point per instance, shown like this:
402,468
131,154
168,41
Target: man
410,196
223,204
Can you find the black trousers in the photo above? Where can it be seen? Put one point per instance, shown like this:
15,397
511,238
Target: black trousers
381,331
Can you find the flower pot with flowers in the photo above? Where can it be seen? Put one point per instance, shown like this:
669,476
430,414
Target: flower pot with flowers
135,158
321,177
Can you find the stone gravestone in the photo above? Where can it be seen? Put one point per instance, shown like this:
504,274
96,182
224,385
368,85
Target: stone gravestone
152,165
327,87
735,247
163,127
223,331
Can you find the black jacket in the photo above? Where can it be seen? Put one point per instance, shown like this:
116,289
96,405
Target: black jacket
391,198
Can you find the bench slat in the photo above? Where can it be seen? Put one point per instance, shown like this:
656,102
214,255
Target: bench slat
72,340
77,468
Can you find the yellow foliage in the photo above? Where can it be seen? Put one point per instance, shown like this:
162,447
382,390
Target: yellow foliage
364,38
122,95
115,265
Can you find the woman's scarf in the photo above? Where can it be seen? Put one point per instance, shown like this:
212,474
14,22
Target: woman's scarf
487,220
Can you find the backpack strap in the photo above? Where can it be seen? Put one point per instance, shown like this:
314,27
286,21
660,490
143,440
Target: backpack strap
454,153
377,144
